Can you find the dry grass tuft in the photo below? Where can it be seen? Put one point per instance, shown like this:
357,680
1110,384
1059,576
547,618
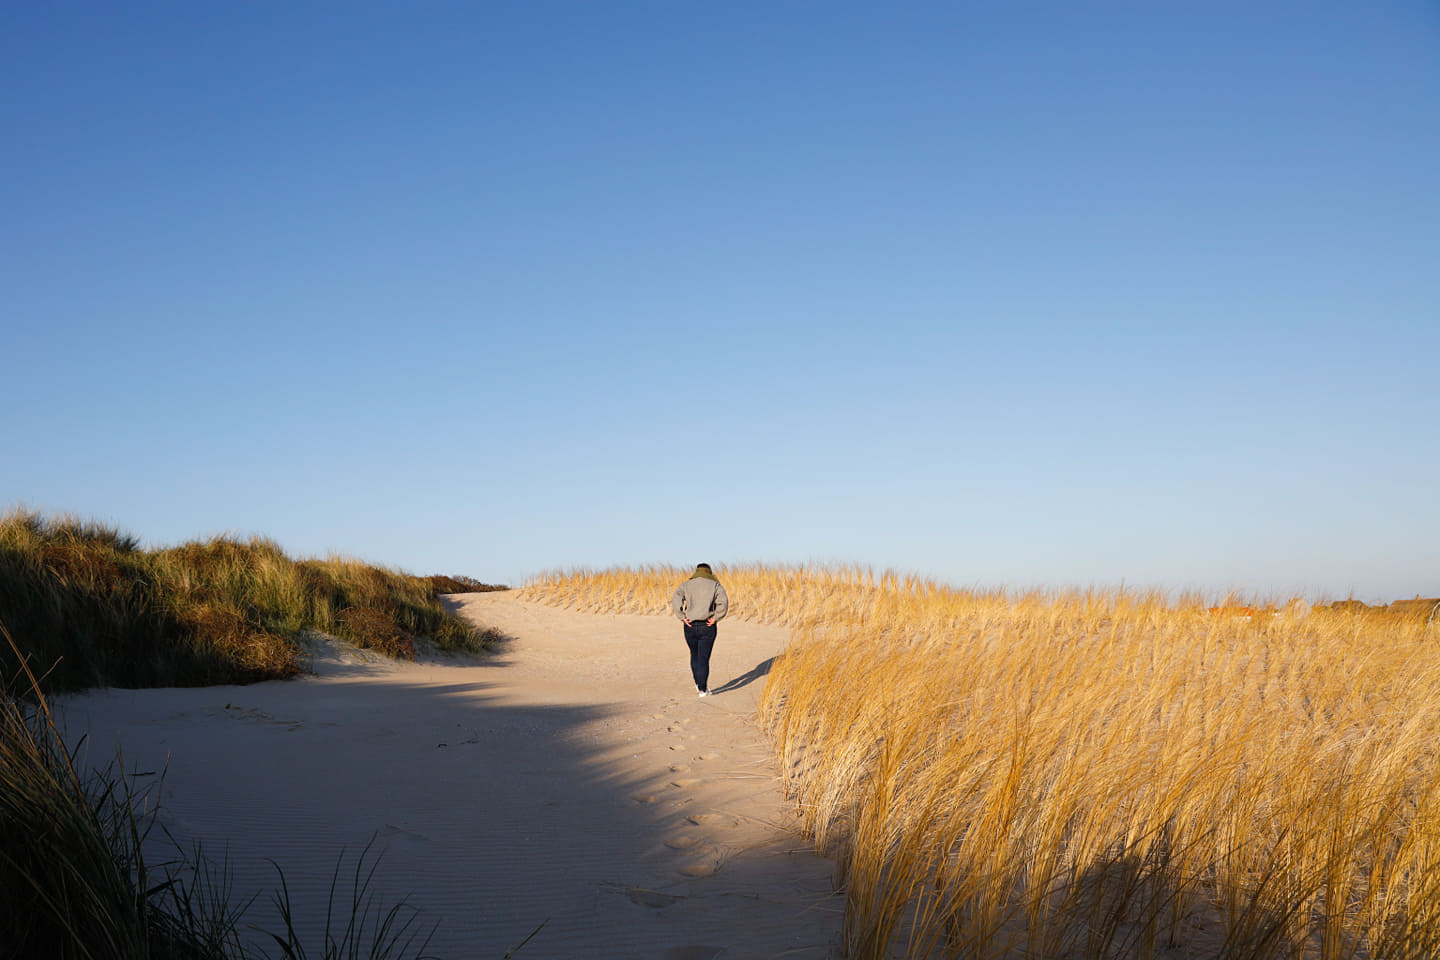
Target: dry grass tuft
374,628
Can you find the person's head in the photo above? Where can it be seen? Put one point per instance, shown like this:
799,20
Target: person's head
703,566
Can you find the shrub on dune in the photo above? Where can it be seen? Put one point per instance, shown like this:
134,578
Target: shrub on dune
439,585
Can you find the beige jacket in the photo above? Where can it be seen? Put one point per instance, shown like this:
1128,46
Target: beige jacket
700,599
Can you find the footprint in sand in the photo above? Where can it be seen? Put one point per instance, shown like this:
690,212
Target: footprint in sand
701,868
652,898
685,782
681,842
710,820
678,768
708,756
645,798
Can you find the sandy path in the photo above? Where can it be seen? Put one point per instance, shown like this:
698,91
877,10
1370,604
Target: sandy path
574,780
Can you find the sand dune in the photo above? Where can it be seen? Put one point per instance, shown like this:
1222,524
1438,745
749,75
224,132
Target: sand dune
573,781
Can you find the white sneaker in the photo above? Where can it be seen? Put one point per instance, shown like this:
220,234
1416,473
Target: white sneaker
704,693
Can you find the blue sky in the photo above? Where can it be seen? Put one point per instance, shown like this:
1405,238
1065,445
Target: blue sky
1007,294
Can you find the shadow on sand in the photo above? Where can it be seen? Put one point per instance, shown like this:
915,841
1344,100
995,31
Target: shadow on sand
761,669
493,819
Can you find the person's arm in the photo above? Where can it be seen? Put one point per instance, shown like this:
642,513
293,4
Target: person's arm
677,602
722,604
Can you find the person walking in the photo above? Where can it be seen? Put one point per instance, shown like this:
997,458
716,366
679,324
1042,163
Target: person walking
700,603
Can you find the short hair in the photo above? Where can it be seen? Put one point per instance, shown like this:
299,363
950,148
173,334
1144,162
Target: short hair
702,566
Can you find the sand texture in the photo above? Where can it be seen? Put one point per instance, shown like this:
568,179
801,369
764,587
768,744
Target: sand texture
573,780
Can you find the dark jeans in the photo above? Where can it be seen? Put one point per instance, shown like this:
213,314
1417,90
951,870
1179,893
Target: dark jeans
701,640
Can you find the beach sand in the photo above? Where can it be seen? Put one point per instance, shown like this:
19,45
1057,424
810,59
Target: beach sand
572,780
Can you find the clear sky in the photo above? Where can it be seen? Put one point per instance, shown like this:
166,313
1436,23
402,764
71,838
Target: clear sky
1003,293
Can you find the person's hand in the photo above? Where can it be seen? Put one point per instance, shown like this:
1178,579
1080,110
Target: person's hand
687,622
710,622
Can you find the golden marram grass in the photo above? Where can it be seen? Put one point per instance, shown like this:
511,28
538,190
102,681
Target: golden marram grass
1096,774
